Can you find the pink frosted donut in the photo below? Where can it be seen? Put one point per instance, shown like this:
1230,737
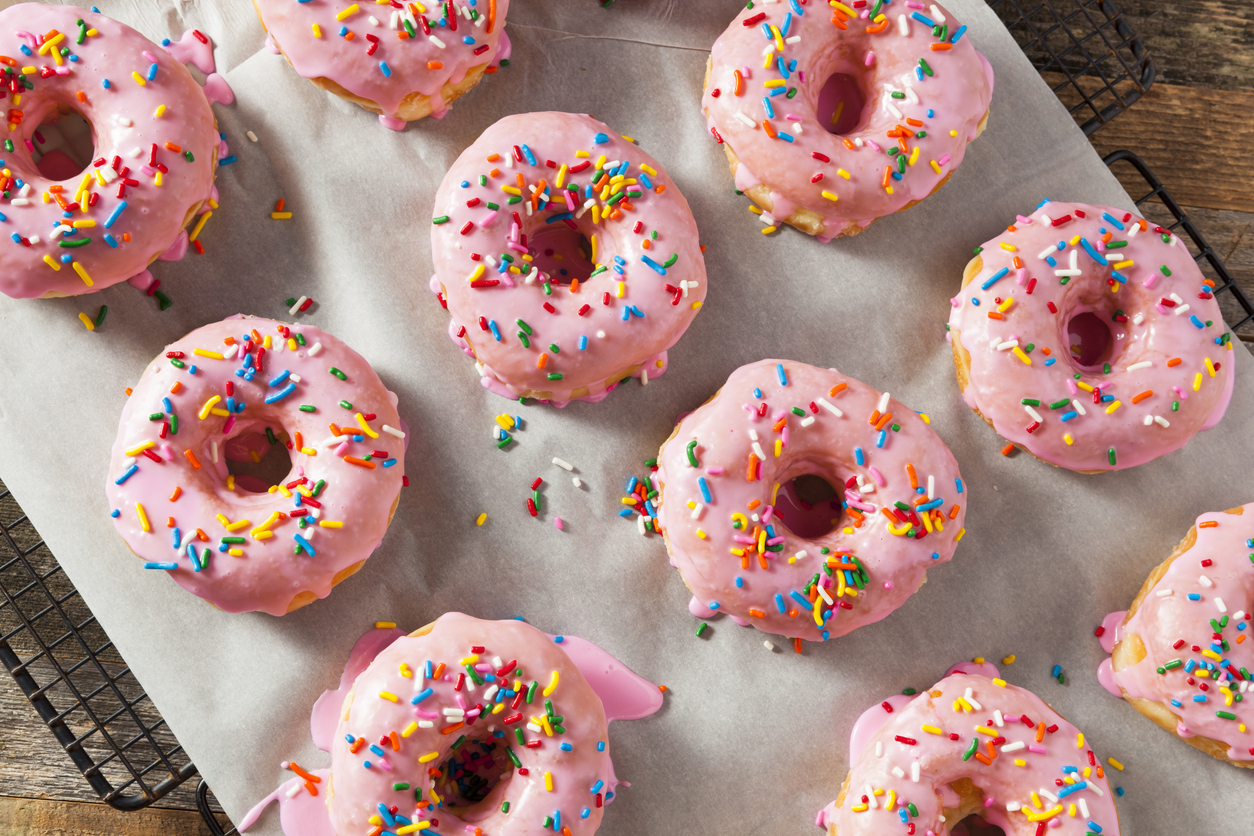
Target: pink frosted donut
971,745
829,122
746,544
471,726
230,391
403,61
156,149
566,257
1181,654
1090,338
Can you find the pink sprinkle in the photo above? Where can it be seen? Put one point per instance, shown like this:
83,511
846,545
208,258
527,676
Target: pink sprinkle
557,521
153,59
870,58
1072,387
1021,275
873,144
792,117
877,476
943,160
775,541
342,449
384,763
426,715
914,4
148,170
1023,220
488,218
888,584
29,147
767,514
955,302
1184,396
821,819
226,428
1037,750
1150,282
801,76
988,801
714,471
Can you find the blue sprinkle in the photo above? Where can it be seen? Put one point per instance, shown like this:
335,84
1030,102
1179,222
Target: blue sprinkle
800,599
783,30
1057,670
387,71
961,31
1119,791
779,370
115,513
583,342
796,7
881,437
757,393
1067,416
1094,827
958,484
422,695
1094,254
583,814
282,376
782,67
166,566
566,747
740,582
714,605
383,808
975,301
1196,321
304,544
930,113
635,310
631,484
466,39
387,463
1108,217
1066,791
928,506
1050,362
657,268
705,489
282,393
600,745
918,72
936,555
784,136
130,471
995,278
626,314
1193,596
779,602
496,332
857,455
343,31
1119,277
766,105
600,139
226,160
152,72
105,84
531,158
562,217
110,240
924,19
1051,261
596,788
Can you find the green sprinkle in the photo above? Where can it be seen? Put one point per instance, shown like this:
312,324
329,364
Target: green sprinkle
522,741
156,416
100,317
1225,715
975,744
1111,455
1175,406
400,787
178,364
909,692
457,744
897,94
914,811
701,629
234,541
531,692
1105,368
318,486
1060,404
926,69
1030,402
307,407
333,370
1164,270
291,300
649,463
555,375
692,453
1064,280
443,219
1028,348
523,326
504,442
270,436
920,134
174,424
553,348
300,339
163,301
509,750
670,261
796,410
895,427
548,289
977,251
75,244
346,404
505,804
548,708
522,338
473,674
792,91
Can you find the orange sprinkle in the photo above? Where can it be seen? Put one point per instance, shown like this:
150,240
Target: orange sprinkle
796,644
350,35
883,422
359,462
178,491
493,157
838,388
574,283
1240,638
490,70
302,773
202,536
438,672
941,47
1208,524
953,512
543,361
191,457
1046,352
740,83
779,425
995,315
435,65
279,204
875,30
170,146
757,613
1174,361
644,244
661,187
452,728
1142,396
129,390
875,416
357,744
848,143
753,466
917,123
980,756
81,96
396,742
491,15
1018,263
496,172
769,128
311,788
1040,731
1106,238
1007,450
754,504
126,236
888,173
992,750
169,522
177,387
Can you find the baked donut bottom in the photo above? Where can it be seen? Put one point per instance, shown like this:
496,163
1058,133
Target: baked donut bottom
413,107
970,800
1131,650
807,220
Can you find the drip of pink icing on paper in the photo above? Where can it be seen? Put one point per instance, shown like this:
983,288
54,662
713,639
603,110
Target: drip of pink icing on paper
624,694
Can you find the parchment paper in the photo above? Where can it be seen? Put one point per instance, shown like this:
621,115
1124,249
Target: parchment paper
749,740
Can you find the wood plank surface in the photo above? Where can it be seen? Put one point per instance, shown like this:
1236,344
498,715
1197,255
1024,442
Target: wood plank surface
1190,128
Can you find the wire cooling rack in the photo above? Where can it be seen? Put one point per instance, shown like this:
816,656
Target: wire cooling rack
82,689
1085,50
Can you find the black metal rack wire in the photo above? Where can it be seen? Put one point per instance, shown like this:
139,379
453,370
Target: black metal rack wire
1085,50
99,713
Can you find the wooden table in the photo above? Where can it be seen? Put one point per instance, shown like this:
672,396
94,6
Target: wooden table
1189,128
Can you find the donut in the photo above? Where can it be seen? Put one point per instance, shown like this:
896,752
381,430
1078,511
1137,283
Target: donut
403,61
1090,338
748,545
155,151
1181,654
830,123
414,746
972,744
566,257
230,391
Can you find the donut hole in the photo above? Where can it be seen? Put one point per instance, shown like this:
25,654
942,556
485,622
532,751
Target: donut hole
1090,340
62,144
974,825
468,778
561,252
255,463
808,506
842,103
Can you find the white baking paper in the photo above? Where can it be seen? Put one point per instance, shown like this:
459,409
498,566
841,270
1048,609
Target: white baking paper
749,740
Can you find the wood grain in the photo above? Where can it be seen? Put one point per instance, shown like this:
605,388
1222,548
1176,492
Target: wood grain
38,817
1197,43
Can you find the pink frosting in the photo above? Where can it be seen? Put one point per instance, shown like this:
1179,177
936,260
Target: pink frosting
375,57
566,773
897,742
946,105
649,277
714,541
181,481
130,222
1169,328
1195,625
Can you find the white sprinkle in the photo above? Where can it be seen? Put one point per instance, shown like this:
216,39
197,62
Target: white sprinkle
1049,795
912,96
800,554
1074,263
869,792
769,646
330,442
1138,319
824,594
1032,413
230,352
34,239
1092,785
426,724
640,525
879,749
1144,364
213,452
297,787
997,718
1013,747
1149,419
823,403
1161,421
931,487
696,512
883,404
794,39
19,201
564,465
1066,272
1048,251
971,700
807,421
899,772
914,767
436,41
757,448
1164,593
1133,230
1219,602
1084,808
937,14
1175,298
1007,345
893,109
314,349
1079,407
740,114
903,26
1205,581
454,712
753,434
600,335
1181,309
1014,806
251,136
295,309
393,431
575,481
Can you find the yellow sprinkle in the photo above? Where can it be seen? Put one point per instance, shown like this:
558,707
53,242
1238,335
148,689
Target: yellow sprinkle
768,230
829,195
143,518
427,758
958,536
1210,367
50,43
333,524
1197,380
1111,409
230,482
1122,264
648,169
469,660
347,13
203,352
1086,387
953,133
136,450
51,262
1115,764
548,781
1000,683
1020,762
410,729
931,729
1008,660
139,79
755,209
1048,814
87,224
621,289
1079,740
1019,353
1005,306
859,808
986,730
914,156
477,273
82,274
389,696
1011,247
204,410
701,534
842,173
506,422
317,31
838,5
91,326
552,684
235,552
280,216
366,429
775,82
200,224
934,166
160,111
1067,438
413,828
890,801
